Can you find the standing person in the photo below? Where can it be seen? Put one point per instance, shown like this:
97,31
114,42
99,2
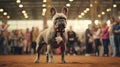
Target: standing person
71,41
11,37
1,42
34,35
33,43
4,35
116,32
82,45
6,42
111,35
88,40
27,42
96,36
20,42
105,38
15,39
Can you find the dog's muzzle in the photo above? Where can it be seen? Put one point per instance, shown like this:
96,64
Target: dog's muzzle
60,24
60,27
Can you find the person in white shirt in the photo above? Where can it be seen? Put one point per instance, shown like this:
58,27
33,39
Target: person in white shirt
96,36
111,36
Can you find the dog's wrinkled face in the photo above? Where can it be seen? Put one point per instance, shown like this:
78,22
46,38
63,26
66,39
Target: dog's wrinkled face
59,19
60,24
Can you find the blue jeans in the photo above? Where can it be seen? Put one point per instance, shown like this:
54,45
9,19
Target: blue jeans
12,47
105,46
117,44
5,47
113,44
33,46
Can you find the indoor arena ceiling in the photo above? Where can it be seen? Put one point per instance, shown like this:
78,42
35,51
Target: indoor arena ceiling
13,9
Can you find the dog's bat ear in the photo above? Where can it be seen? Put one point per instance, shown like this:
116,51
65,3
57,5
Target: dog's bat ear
65,10
52,11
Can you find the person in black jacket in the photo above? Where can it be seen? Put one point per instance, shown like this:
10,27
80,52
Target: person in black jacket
116,32
71,41
1,43
88,39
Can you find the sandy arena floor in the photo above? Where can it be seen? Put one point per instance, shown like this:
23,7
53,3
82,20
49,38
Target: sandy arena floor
72,61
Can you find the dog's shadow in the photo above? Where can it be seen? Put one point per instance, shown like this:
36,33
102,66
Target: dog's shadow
73,63
64,63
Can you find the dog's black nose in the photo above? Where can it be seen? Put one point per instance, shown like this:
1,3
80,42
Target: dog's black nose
61,25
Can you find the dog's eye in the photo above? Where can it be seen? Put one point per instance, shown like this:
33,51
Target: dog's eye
55,21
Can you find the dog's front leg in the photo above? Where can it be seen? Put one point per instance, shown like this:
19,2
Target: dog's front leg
49,54
63,52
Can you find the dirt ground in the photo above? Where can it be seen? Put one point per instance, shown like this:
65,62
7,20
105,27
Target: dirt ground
72,61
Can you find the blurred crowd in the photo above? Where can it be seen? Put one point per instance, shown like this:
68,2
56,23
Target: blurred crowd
17,41
98,40
103,40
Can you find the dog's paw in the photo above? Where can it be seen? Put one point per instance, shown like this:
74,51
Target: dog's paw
36,61
63,62
50,61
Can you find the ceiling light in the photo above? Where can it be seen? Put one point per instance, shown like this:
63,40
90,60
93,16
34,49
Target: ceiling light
43,14
119,17
44,5
103,13
26,17
23,11
99,15
80,16
70,0
114,5
68,5
1,10
20,5
87,9
8,17
109,9
44,1
91,5
96,2
18,1
44,11
5,13
25,14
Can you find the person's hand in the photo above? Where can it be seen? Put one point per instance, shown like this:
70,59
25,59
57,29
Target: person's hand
71,39
116,31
